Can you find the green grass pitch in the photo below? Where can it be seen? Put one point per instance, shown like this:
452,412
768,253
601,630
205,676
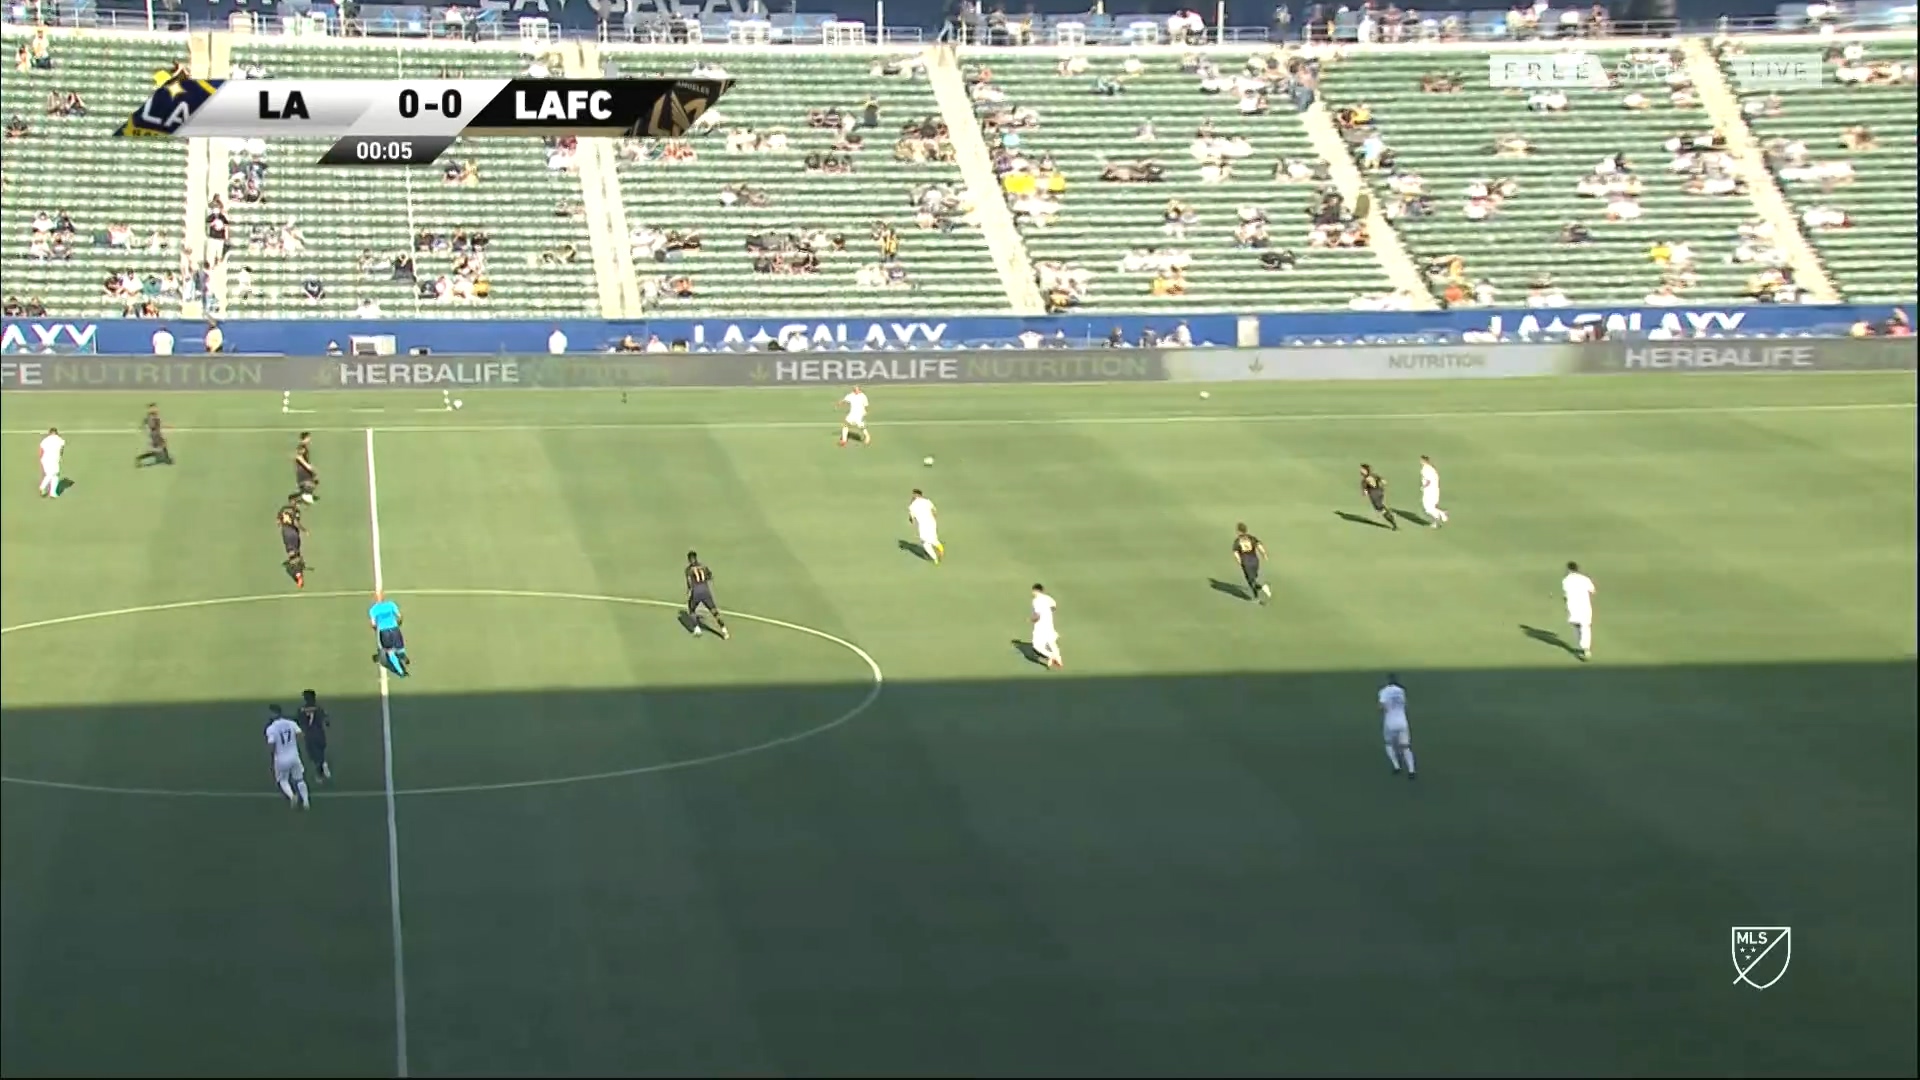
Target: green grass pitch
1182,855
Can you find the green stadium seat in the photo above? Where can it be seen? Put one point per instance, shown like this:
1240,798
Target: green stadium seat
343,212
1102,222
774,91
1449,139
1873,259
76,164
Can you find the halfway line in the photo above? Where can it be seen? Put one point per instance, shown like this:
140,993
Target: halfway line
1062,421
393,818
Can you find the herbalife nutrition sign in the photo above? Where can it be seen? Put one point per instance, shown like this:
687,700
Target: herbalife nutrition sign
584,371
1838,354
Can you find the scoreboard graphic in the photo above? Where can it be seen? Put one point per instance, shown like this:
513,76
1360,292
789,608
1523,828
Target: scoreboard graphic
414,121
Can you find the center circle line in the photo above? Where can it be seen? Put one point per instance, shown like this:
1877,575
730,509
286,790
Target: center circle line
865,703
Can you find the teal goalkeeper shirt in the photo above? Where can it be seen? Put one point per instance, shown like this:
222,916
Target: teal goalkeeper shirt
385,615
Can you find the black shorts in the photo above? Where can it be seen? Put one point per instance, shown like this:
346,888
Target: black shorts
304,479
1252,572
1379,501
290,538
157,442
317,751
391,638
701,598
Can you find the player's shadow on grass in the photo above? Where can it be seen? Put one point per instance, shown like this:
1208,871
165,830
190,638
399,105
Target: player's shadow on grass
1028,653
1229,588
1359,520
65,486
690,623
1412,518
915,550
1548,637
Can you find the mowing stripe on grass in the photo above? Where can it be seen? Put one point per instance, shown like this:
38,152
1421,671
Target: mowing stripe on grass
1072,421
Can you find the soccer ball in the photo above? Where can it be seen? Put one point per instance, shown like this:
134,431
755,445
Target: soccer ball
928,462
457,403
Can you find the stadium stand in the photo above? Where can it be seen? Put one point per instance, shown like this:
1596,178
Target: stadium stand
819,237
1108,115
124,198
1511,196
1843,152
351,225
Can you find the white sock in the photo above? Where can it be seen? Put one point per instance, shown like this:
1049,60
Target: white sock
929,549
326,771
1407,752
1393,757
844,433
1586,637
50,484
302,788
287,790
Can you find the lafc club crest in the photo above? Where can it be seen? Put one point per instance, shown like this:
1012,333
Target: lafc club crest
1761,954
676,111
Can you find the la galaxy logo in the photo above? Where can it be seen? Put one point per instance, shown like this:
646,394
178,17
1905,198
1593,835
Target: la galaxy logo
170,107
1761,954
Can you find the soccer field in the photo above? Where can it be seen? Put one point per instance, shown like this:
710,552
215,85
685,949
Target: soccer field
866,836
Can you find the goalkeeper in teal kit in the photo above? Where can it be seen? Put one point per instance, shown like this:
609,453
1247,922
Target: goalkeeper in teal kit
385,615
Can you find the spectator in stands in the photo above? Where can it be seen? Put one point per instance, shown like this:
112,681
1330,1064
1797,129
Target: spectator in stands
1859,139
1547,100
1897,324
40,51
1444,83
16,128
1543,293
65,103
369,309
1825,217
13,308
1280,260
313,288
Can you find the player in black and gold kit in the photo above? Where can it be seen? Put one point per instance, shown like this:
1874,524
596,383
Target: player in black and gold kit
700,595
1251,554
157,452
291,532
1374,487
305,480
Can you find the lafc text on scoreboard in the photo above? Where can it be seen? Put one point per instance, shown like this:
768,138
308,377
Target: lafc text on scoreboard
414,121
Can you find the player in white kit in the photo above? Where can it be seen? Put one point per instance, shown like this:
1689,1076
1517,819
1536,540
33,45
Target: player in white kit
51,448
1578,589
926,521
1393,727
283,738
1430,493
1046,638
856,421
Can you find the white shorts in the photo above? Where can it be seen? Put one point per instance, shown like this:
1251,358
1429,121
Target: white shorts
1396,734
1580,618
858,423
1045,637
1430,502
50,468
291,771
930,536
